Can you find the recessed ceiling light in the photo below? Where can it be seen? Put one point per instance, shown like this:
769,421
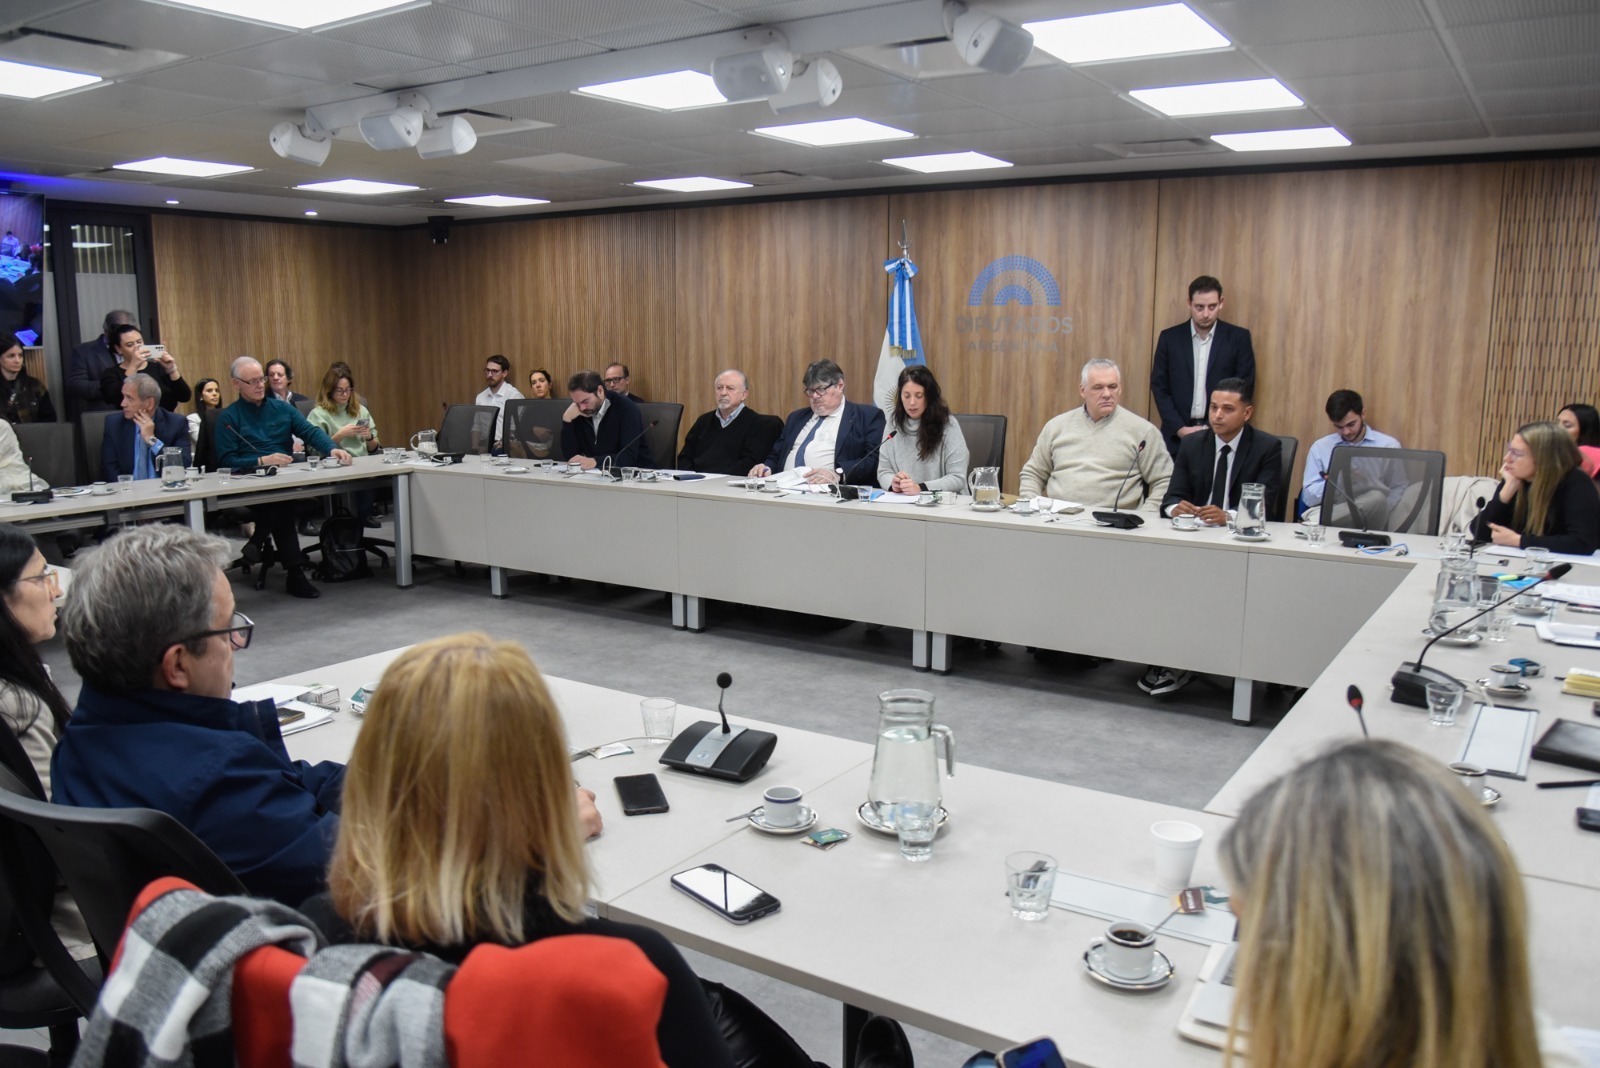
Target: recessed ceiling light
1145,31
834,132
494,200
29,82
1218,98
661,92
692,185
358,187
91,244
1271,140
298,14
311,213
940,162
188,168
171,201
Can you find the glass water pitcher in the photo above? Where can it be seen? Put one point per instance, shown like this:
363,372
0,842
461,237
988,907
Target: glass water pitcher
905,766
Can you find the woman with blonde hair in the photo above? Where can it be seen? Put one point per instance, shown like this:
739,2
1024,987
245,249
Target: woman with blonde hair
1381,921
460,825
1544,499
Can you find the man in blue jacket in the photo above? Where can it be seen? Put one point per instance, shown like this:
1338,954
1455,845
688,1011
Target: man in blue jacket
134,440
834,439
151,628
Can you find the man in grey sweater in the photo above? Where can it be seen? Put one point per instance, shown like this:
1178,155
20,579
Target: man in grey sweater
1085,455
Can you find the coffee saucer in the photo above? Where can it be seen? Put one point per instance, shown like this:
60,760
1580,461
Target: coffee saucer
808,819
1161,969
869,819
1188,530
517,470
1491,797
1515,692
70,491
987,507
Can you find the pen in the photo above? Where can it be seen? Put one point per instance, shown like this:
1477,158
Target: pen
1569,782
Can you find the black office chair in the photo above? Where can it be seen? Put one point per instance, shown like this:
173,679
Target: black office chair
50,450
304,406
468,428
91,433
662,439
986,441
1396,490
533,428
1291,447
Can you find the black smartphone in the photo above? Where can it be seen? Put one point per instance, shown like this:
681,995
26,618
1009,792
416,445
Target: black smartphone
724,893
640,794
1589,819
1040,1053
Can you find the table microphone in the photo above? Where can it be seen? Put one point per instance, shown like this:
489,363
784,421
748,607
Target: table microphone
736,754
724,680
1354,539
1352,694
1410,682
1116,517
848,492
31,495
647,428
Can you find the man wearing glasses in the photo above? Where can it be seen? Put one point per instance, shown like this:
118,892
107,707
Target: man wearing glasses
496,369
151,627
833,439
618,379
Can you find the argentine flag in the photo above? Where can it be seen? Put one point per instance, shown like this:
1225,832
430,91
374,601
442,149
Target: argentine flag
902,341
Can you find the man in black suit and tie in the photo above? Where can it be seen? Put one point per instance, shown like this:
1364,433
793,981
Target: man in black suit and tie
833,438
1192,357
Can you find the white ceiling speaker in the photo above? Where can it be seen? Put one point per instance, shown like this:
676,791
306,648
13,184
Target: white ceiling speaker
762,72
454,136
814,83
288,141
990,42
388,130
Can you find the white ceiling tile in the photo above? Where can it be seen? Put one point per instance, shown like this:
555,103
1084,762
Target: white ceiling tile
1262,22
1401,111
1420,132
661,32
204,77
956,121
1096,133
440,33
1467,12
1201,69
1536,73
565,109
1362,55
532,57
1104,108
1536,39
1577,122
582,18
416,79
641,125
1040,83
995,142
783,10
146,25
324,59
1058,154
1252,122
901,98
1378,86
1541,101
561,163
22,12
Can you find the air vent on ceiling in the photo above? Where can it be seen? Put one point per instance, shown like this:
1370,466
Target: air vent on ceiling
776,177
62,51
1173,147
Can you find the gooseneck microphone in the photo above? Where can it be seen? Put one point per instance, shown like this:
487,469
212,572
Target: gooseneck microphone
31,495
1410,682
637,438
736,754
724,680
848,492
1353,539
1353,695
1117,517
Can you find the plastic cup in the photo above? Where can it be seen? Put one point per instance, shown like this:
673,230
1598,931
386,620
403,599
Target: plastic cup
1176,845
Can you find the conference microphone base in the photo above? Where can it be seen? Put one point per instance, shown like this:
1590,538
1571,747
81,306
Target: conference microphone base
1362,539
1120,520
1410,683
704,750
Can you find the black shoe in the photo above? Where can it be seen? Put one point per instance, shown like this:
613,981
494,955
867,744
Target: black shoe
371,523
251,552
882,1044
300,586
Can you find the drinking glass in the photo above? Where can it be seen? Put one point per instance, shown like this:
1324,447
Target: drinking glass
1030,880
658,714
193,474
1314,535
1443,700
1535,561
224,475
915,824
125,483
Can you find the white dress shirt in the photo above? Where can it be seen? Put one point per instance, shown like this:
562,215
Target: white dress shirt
819,454
507,392
1202,356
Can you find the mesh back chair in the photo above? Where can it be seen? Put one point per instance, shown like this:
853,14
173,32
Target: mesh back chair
1291,446
91,433
1397,490
468,428
662,439
49,449
986,441
533,428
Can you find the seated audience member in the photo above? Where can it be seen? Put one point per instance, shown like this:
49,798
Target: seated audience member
255,431
340,414
151,628
35,712
134,358
1580,421
133,441
1086,455
14,471
1544,499
834,440
1231,450
89,361
928,451
619,380
600,425
280,382
540,384
731,438
1381,922
23,398
207,398
1347,413
494,851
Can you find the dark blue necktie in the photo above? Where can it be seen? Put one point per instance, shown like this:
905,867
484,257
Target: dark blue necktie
800,457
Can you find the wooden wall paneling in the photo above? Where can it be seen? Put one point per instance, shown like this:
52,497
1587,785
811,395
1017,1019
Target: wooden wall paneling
768,288
1014,353
1378,280
1544,336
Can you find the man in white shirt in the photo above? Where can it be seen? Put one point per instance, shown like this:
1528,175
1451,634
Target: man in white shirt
1347,412
1192,357
832,438
496,369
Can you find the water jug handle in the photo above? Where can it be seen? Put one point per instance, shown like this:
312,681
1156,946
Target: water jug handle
939,730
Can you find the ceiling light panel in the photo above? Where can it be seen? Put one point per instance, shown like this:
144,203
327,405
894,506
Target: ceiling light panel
1277,140
357,187
692,185
1147,31
495,200
941,162
188,168
673,91
299,14
1219,98
832,132
29,82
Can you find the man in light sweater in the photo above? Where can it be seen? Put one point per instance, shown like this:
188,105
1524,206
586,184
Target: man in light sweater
1085,455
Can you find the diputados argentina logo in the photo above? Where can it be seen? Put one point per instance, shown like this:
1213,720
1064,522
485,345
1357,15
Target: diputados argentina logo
1018,295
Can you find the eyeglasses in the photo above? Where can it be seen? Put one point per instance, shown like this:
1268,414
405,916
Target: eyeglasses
249,381
238,635
613,380
1516,454
338,390
49,576
817,391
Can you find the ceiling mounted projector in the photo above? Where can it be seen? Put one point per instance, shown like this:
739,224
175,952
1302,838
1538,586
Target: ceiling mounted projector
288,141
990,42
386,131
454,136
816,82
757,74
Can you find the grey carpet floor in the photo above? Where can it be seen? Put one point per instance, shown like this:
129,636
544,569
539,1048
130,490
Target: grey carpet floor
1050,716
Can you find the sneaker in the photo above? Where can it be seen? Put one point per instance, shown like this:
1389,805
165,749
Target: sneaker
1171,682
1153,676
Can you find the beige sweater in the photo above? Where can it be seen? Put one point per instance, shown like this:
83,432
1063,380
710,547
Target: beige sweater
1077,459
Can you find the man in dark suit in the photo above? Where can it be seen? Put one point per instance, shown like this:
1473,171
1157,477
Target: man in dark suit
1192,357
1230,448
134,440
89,362
834,438
601,425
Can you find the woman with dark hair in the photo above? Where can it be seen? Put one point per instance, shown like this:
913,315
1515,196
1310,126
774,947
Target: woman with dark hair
1544,499
927,451
134,357
207,394
23,398
539,383
1582,422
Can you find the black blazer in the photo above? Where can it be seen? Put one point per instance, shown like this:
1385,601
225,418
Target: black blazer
116,448
1571,526
621,435
1172,372
1258,457
860,434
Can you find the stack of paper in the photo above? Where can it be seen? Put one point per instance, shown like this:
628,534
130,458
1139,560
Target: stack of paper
1583,683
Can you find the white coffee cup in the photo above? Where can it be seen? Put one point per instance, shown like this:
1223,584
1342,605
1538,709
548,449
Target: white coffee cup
781,806
1130,949
1503,675
1176,844
1186,522
1472,777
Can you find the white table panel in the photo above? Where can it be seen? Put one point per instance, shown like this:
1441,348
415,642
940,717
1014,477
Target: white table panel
585,529
1301,609
447,516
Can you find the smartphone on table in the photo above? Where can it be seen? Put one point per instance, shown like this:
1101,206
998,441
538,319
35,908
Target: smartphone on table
640,794
1040,1053
721,891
